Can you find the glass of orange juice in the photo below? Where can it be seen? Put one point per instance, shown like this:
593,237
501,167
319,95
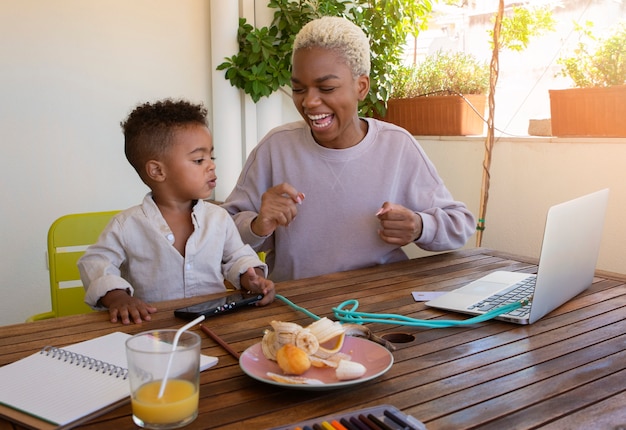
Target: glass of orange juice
164,382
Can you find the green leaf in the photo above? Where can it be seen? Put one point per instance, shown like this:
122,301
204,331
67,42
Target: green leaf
386,22
596,62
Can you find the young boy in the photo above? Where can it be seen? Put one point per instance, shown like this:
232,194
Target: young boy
174,244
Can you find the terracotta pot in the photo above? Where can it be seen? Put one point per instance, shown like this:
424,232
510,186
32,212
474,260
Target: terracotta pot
438,115
595,112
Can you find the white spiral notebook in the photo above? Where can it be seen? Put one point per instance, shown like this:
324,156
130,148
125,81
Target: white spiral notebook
63,385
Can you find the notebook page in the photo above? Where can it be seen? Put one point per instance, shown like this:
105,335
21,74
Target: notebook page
57,391
111,348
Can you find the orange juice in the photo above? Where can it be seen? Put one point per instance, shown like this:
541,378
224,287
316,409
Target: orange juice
179,402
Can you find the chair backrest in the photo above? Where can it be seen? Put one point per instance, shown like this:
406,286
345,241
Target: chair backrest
68,238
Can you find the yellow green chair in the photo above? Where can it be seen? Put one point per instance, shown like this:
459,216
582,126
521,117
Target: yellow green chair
68,238
262,256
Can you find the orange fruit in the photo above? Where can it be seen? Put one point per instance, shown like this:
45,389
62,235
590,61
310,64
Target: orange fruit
292,360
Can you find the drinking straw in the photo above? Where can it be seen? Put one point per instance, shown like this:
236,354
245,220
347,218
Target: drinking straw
179,332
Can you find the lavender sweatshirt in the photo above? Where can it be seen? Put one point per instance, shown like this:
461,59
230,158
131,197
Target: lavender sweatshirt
336,227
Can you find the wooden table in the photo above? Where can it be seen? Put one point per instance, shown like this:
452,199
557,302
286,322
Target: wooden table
565,371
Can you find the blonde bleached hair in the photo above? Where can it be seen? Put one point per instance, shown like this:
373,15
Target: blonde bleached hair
339,35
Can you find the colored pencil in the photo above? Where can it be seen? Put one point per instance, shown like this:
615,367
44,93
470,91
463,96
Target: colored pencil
219,340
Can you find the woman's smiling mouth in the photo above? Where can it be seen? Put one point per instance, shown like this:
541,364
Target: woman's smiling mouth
321,120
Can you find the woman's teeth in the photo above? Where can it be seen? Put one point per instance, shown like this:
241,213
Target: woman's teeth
322,120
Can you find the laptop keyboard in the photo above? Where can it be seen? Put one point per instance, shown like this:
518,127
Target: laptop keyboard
514,293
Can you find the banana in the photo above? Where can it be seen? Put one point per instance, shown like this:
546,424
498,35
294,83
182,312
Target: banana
286,332
325,329
330,361
324,352
306,341
297,348
347,370
293,379
270,345
322,363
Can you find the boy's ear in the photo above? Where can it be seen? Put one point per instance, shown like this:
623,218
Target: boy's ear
155,170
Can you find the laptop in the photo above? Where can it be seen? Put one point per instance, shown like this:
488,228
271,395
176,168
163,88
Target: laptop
569,253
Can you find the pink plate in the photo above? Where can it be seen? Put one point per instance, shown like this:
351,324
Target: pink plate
376,359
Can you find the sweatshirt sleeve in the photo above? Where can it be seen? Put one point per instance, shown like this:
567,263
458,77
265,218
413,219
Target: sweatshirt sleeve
243,204
238,257
445,228
447,223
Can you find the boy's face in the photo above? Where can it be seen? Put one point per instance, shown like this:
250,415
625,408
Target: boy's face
188,166
327,96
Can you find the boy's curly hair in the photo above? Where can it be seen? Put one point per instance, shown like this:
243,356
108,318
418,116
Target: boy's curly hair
149,127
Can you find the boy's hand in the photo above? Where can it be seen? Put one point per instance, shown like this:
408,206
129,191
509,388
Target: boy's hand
253,280
125,307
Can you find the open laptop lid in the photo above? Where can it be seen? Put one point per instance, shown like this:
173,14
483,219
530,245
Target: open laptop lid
569,252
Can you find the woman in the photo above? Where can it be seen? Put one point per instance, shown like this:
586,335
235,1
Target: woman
338,192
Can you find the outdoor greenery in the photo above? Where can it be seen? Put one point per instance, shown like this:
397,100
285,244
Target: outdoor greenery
442,73
462,73
596,62
522,25
263,63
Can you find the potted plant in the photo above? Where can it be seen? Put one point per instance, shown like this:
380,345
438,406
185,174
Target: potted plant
263,63
596,105
466,79
444,95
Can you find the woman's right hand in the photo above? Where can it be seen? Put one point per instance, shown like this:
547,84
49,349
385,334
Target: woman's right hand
279,206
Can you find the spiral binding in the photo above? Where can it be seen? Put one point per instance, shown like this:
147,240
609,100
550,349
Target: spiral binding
87,362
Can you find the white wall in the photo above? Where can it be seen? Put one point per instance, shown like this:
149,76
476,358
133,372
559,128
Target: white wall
530,175
70,71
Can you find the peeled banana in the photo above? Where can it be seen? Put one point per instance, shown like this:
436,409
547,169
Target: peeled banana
325,329
296,349
349,370
307,341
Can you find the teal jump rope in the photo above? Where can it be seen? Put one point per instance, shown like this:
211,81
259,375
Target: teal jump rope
346,314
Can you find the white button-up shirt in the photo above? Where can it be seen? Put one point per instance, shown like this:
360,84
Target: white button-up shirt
135,252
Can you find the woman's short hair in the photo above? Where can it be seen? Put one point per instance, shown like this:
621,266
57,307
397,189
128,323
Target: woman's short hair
339,35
